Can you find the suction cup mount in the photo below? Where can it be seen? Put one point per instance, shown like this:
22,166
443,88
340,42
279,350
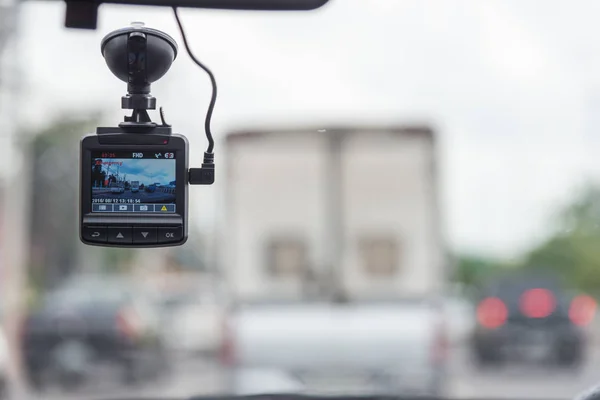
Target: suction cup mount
138,56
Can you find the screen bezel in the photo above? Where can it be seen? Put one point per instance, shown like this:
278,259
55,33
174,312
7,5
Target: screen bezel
176,144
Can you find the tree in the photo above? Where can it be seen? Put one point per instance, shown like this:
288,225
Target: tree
474,270
98,176
56,249
8,20
54,191
573,251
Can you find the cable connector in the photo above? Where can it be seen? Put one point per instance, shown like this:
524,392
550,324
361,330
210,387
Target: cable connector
204,175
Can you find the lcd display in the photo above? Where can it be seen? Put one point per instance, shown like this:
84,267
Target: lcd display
135,182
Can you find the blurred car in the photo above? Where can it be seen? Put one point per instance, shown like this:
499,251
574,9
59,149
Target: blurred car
88,327
531,317
117,189
150,188
193,324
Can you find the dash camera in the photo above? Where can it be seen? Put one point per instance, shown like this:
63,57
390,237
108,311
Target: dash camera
134,177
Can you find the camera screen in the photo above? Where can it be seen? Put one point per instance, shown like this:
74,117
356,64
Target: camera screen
134,182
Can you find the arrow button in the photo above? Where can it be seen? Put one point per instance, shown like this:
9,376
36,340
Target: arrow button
119,235
144,235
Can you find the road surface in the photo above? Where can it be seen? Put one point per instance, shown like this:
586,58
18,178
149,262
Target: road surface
187,378
521,381
201,377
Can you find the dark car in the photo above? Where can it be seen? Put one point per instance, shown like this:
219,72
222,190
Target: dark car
533,318
88,326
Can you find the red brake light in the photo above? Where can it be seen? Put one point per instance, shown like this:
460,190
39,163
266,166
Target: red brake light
492,313
439,351
227,349
537,303
128,324
582,310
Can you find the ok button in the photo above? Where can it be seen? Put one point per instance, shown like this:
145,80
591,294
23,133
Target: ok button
168,235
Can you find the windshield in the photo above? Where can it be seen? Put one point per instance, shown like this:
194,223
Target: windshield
407,202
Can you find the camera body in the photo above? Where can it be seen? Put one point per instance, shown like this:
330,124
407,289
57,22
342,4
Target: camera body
134,188
134,178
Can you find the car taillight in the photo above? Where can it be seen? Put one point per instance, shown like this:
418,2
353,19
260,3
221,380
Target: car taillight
22,327
582,310
128,324
492,313
227,349
537,303
439,350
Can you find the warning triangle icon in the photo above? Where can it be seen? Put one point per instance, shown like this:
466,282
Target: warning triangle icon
120,236
144,234
164,208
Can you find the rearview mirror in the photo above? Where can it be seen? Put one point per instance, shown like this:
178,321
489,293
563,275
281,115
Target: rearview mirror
84,13
274,5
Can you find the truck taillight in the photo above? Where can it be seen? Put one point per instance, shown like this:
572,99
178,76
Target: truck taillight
492,313
440,346
227,349
127,323
582,310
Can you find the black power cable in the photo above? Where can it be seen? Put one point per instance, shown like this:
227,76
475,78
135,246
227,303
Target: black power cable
206,174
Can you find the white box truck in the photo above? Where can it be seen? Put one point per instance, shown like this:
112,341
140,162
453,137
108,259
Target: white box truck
341,214
342,211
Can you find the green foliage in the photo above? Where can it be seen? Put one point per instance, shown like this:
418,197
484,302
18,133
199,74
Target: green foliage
54,181
573,252
473,270
56,250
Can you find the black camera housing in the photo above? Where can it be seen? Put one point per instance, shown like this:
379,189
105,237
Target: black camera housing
133,227
134,178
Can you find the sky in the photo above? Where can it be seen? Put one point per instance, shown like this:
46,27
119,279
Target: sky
512,88
143,171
